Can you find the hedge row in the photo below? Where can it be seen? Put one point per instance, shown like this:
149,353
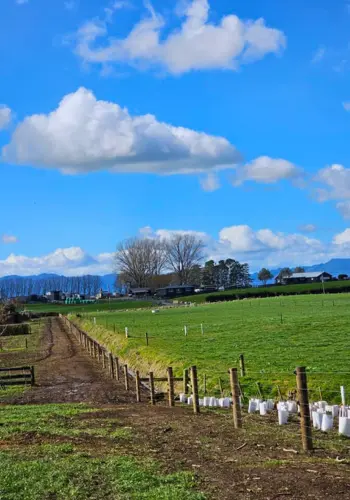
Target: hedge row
15,329
264,294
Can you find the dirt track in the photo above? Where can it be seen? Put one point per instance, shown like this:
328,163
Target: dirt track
65,373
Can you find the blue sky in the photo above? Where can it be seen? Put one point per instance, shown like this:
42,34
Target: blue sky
265,82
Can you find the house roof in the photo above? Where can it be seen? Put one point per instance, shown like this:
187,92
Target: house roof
314,274
140,290
170,287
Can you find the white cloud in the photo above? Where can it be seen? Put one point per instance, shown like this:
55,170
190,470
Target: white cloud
267,170
336,183
84,135
21,2
196,45
344,208
318,55
5,116
210,182
70,4
342,238
346,105
308,228
9,238
68,261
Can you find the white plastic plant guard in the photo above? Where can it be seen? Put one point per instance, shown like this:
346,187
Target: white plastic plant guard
282,417
263,408
317,419
183,398
327,422
206,401
322,405
227,402
344,426
190,400
212,402
292,407
270,404
251,406
200,402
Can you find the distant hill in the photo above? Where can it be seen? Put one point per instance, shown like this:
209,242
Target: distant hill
107,279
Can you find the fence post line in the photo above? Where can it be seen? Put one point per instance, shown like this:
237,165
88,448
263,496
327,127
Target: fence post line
194,382
242,365
103,359
303,396
126,379
151,388
146,338
171,386
98,352
138,387
116,364
185,381
236,407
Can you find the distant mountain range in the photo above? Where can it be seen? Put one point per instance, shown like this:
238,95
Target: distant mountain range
333,267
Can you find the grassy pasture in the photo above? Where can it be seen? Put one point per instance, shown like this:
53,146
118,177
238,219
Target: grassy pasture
101,305
275,335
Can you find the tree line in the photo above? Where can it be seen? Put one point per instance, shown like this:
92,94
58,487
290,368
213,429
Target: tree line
151,263
265,275
26,286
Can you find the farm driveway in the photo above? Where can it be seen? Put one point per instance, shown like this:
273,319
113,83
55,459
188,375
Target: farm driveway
65,373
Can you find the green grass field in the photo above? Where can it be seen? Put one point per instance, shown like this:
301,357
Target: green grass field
275,335
66,452
101,305
278,289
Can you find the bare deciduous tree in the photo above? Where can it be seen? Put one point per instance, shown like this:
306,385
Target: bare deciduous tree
139,260
183,253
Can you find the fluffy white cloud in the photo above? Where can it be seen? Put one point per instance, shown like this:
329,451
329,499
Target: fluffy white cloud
5,116
318,55
84,135
70,4
267,170
342,238
346,105
210,182
336,183
68,261
344,208
9,238
196,45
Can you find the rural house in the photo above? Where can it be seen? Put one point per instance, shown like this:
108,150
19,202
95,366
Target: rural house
140,292
175,291
307,277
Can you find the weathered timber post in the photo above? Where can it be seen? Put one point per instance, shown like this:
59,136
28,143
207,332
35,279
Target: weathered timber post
242,365
138,387
151,388
171,386
126,379
194,382
32,373
146,338
111,368
103,359
303,396
236,407
116,367
185,381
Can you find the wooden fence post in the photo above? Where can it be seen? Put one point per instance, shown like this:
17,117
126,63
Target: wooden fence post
194,382
26,343
138,387
111,368
151,388
185,381
146,338
171,386
242,365
103,359
126,379
236,407
32,373
98,352
303,397
116,365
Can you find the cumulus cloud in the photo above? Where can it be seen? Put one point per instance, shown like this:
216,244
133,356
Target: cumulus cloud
335,181
318,55
84,135
196,45
210,182
344,208
267,170
9,238
5,116
72,261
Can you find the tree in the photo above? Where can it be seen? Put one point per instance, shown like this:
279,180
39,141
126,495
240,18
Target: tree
138,260
182,253
264,275
208,274
299,269
343,277
284,273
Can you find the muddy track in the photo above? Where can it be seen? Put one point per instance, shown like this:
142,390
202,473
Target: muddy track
65,373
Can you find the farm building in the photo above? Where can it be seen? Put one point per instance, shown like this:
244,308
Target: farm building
175,291
140,292
308,277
